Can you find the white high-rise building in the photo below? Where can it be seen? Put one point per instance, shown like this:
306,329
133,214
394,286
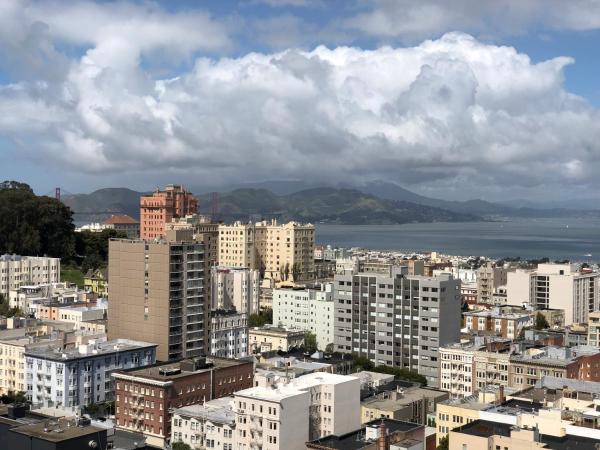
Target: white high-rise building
286,416
235,287
208,425
71,378
228,334
16,271
556,286
306,309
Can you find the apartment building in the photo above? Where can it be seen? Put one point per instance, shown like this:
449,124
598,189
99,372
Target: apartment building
556,413
499,321
530,366
146,397
379,434
228,334
286,416
467,368
124,224
160,208
401,401
397,320
271,338
235,288
17,271
308,309
75,377
279,252
12,364
594,329
207,425
556,286
157,293
489,278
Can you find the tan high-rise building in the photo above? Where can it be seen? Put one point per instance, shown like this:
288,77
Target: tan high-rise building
157,294
489,278
162,207
280,252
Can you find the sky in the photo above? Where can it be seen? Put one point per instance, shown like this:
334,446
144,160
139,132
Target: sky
493,99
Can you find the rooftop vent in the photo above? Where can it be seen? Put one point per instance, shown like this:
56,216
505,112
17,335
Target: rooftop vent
169,371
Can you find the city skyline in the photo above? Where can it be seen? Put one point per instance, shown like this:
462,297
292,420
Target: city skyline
494,101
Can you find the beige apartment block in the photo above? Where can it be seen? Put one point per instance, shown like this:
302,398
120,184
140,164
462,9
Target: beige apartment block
17,271
12,365
270,338
279,252
556,286
489,278
157,294
594,329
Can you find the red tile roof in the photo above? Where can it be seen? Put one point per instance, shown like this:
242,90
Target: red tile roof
120,219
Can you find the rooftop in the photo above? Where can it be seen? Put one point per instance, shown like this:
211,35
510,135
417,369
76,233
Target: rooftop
56,430
167,371
357,440
486,429
219,410
92,349
121,219
297,386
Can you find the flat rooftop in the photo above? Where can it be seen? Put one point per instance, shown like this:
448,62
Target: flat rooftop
219,410
153,372
93,350
356,440
58,430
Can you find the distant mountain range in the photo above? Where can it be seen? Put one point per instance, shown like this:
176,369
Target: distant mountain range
373,203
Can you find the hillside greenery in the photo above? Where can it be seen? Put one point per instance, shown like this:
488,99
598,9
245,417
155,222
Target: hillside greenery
34,225
329,205
43,226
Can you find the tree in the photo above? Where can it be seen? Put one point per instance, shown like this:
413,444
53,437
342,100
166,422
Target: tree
310,342
181,446
262,318
13,397
444,442
295,271
541,322
286,271
329,348
32,225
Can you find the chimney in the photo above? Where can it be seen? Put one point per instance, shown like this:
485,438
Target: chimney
501,397
382,440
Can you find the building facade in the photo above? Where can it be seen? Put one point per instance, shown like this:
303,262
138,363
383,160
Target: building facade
157,293
17,271
286,416
556,286
306,309
279,252
207,425
235,288
489,278
397,320
160,208
271,338
146,397
124,224
72,378
228,334
507,324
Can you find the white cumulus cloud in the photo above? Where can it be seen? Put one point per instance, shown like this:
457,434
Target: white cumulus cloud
452,111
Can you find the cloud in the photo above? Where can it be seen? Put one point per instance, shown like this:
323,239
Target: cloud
448,112
412,21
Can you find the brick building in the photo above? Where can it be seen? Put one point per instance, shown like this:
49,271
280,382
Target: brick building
145,397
